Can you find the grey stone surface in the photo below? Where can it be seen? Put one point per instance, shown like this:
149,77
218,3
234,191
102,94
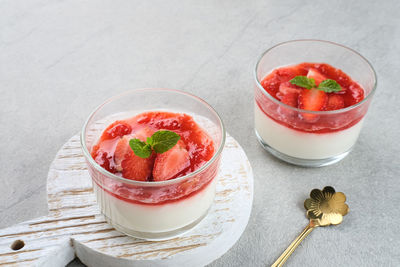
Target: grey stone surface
60,59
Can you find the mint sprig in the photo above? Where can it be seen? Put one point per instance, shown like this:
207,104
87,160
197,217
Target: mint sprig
162,141
140,148
328,85
159,142
303,81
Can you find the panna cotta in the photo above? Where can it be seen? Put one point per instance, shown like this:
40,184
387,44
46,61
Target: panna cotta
147,208
153,156
304,145
303,112
156,218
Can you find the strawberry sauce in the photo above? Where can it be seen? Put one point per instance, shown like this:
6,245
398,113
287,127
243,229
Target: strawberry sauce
278,86
199,145
193,150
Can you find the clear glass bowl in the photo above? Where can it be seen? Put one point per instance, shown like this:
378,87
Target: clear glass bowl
154,210
279,127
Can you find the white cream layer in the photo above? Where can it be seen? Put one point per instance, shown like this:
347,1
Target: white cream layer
157,218
301,144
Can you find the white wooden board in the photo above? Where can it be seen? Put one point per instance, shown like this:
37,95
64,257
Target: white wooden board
75,226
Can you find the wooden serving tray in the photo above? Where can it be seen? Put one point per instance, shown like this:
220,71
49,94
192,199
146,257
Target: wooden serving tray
75,226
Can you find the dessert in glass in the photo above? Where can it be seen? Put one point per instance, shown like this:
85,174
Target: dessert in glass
311,98
146,186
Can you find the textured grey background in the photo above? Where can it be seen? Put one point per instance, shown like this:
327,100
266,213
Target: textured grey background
60,59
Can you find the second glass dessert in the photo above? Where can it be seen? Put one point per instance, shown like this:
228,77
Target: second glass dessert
311,97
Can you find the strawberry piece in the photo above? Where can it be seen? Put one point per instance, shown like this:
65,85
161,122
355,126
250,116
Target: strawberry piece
312,99
316,75
143,133
104,160
116,129
95,149
169,164
287,73
122,147
288,88
288,94
205,148
137,168
290,99
335,102
357,93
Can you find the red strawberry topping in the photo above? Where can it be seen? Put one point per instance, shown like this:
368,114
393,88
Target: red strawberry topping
290,99
288,88
316,75
137,168
104,160
312,99
277,84
288,94
335,102
122,147
116,129
354,95
121,150
143,133
169,164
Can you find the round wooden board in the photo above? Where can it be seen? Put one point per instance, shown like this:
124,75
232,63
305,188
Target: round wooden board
75,225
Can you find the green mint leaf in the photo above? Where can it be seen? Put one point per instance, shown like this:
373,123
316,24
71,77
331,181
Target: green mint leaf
149,141
160,142
303,81
163,141
329,86
141,149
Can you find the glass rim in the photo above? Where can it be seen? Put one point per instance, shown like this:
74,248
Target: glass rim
92,162
323,112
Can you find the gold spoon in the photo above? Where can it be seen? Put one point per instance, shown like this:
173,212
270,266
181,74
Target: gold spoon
324,208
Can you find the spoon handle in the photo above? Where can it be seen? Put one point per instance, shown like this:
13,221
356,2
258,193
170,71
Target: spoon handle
285,255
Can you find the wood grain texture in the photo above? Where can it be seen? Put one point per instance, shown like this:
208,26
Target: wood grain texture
75,225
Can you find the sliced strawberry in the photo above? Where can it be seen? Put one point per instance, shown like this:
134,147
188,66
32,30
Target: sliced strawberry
290,99
104,160
288,94
287,73
288,88
121,150
123,147
316,75
137,168
312,99
335,102
357,94
143,133
170,163
116,129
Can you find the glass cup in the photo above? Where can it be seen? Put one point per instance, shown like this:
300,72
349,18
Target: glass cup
280,128
154,210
